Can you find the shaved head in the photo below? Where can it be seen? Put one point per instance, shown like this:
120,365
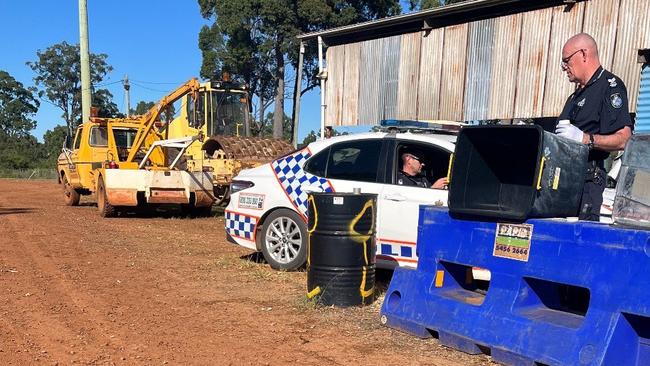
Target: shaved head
580,58
583,41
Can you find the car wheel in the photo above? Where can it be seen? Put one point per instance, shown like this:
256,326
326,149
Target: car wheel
284,240
70,195
105,208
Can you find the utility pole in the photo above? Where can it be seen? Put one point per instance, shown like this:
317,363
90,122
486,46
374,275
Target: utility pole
127,96
85,62
296,95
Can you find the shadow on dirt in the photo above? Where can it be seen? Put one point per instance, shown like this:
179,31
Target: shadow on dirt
14,210
167,212
256,257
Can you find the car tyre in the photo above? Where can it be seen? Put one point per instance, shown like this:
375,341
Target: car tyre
105,208
284,240
70,195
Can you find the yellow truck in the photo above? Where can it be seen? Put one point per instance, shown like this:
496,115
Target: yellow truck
131,162
222,115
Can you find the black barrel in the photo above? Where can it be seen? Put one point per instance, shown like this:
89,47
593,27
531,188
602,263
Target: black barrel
516,172
341,250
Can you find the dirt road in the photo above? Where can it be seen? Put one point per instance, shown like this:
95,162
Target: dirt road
79,289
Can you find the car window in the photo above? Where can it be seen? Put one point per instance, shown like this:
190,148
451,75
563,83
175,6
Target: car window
98,136
124,137
354,160
435,159
77,140
317,164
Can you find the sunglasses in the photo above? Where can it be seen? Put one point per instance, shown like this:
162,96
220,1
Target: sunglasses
565,60
415,158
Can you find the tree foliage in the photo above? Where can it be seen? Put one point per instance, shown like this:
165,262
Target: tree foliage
58,75
266,129
141,108
52,143
311,137
18,149
427,4
102,99
255,40
17,106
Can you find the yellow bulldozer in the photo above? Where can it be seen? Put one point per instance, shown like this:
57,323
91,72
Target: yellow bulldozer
222,115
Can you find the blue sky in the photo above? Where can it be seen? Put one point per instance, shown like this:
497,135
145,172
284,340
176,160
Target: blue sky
154,42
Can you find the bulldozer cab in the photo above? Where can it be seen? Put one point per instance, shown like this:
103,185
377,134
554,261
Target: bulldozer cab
220,112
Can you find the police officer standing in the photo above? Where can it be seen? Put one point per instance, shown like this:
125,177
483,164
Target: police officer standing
596,114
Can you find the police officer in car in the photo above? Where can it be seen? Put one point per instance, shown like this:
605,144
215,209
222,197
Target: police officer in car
596,114
411,174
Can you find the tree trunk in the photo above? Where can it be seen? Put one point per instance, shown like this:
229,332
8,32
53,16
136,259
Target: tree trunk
262,110
278,114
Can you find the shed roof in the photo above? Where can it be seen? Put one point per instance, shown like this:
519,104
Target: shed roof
457,13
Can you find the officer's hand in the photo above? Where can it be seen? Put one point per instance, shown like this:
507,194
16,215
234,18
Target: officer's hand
441,183
569,131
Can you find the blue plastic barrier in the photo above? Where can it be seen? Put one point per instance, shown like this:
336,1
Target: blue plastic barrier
581,298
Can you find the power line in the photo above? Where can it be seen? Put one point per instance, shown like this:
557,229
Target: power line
148,88
154,83
106,84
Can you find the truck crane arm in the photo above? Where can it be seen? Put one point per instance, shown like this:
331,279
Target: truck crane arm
148,120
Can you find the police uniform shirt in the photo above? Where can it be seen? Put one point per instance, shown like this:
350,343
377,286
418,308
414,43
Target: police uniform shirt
404,179
600,107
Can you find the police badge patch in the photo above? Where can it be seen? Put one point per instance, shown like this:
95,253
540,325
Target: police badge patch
612,82
617,101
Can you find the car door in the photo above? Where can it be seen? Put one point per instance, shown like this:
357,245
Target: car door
399,204
74,157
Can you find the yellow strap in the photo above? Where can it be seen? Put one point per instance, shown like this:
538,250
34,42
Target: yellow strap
541,170
314,292
451,163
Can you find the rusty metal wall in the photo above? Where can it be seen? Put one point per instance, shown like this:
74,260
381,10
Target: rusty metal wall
533,58
453,72
430,74
409,70
505,67
334,85
369,87
388,78
567,21
507,34
351,85
601,18
629,39
479,69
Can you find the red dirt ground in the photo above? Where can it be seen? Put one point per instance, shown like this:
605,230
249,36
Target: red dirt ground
79,289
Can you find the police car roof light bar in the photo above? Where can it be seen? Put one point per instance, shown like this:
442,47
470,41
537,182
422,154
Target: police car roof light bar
436,126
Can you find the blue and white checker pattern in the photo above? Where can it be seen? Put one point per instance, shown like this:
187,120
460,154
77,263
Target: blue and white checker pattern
292,178
241,226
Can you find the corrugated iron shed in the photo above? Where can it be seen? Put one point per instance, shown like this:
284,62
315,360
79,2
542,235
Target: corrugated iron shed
481,59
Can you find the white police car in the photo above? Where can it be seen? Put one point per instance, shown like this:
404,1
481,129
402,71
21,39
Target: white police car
268,205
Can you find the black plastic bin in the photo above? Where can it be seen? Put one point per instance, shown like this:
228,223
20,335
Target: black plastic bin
496,173
632,200
341,251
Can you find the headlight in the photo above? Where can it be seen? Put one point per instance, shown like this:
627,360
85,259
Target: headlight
239,185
